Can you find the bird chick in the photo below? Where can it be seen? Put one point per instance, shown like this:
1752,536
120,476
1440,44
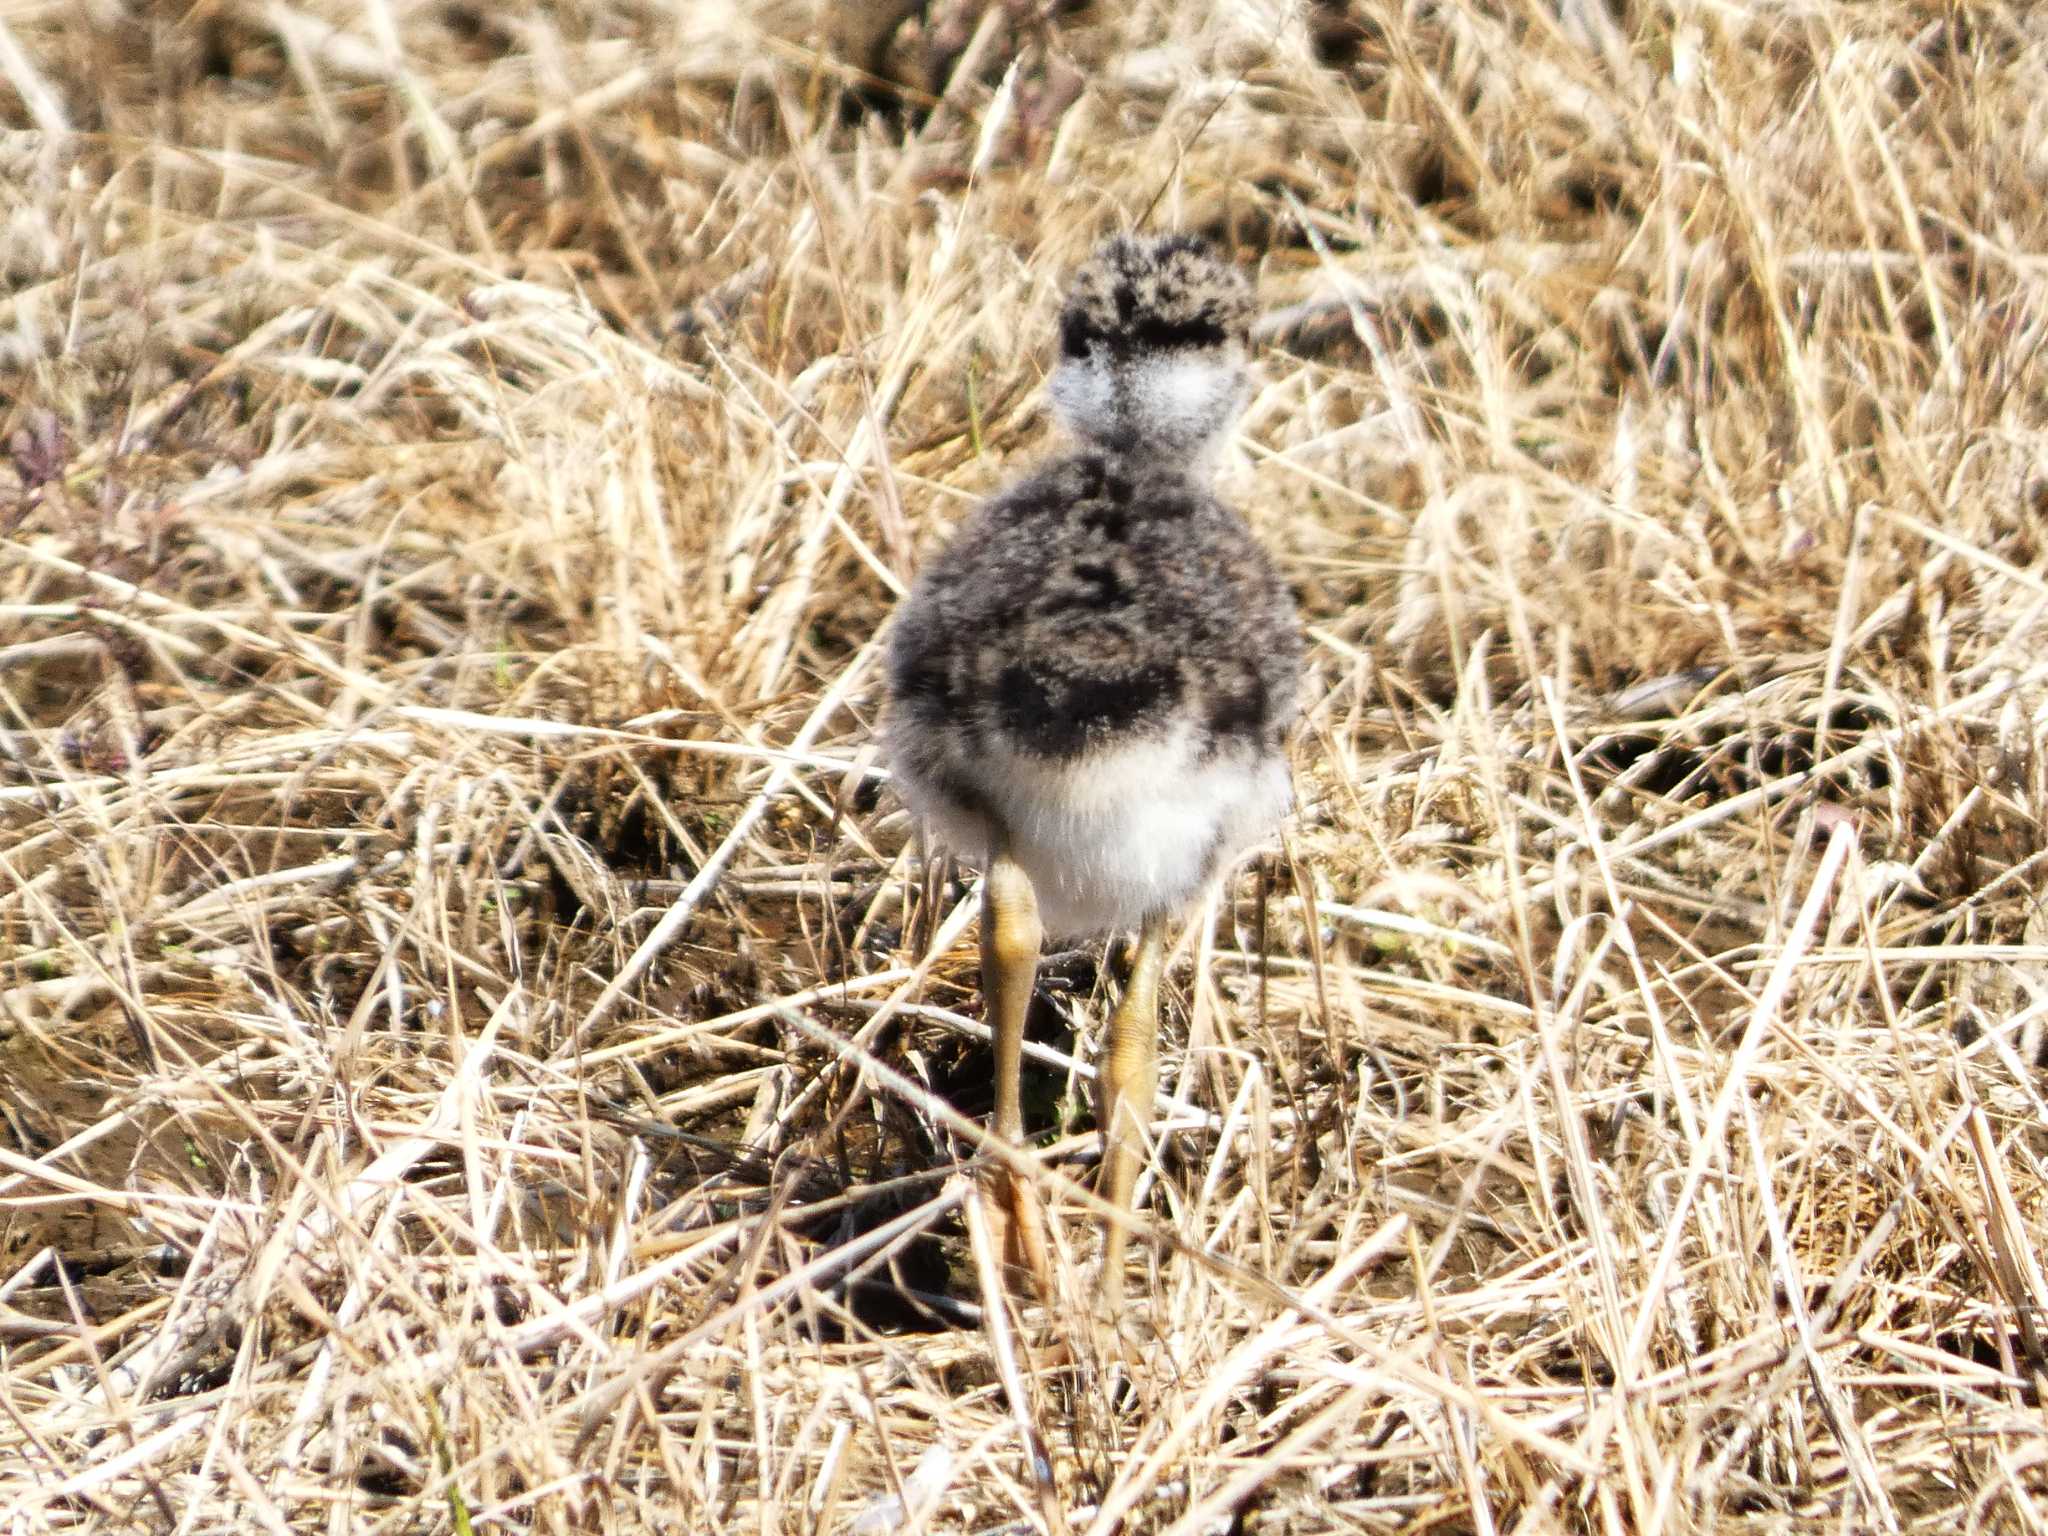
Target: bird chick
1090,688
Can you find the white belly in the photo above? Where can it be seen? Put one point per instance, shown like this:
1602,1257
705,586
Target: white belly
1109,838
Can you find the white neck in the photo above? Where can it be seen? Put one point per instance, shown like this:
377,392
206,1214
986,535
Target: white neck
1177,406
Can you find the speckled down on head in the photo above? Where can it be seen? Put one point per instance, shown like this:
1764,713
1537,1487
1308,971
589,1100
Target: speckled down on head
1098,672
1155,295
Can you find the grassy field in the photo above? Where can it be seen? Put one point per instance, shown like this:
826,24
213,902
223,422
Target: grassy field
479,1047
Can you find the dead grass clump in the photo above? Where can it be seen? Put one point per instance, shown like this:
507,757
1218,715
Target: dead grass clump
477,1049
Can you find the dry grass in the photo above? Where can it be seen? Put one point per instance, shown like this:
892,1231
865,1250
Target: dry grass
461,460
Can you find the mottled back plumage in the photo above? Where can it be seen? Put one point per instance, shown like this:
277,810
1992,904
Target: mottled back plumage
1094,602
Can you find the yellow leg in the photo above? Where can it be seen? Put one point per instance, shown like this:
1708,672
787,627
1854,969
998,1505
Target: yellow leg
1129,1073
1010,940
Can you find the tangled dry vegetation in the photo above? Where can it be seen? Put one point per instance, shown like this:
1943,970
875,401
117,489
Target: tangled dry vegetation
475,1038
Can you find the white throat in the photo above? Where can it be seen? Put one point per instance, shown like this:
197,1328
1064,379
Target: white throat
1179,405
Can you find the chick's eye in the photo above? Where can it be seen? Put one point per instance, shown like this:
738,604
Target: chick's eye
1075,337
